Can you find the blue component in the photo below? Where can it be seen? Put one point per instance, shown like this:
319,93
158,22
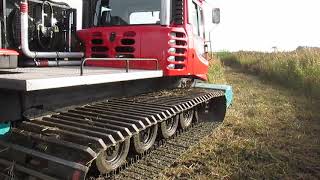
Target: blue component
4,128
226,88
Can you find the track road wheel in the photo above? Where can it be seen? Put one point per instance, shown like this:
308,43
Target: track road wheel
169,127
145,139
186,118
113,157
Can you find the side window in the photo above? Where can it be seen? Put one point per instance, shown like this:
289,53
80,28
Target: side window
196,17
201,23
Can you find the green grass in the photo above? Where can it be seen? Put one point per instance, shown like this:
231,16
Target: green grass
298,69
216,71
270,132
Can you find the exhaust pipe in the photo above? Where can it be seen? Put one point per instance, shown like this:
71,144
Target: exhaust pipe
4,28
165,12
25,36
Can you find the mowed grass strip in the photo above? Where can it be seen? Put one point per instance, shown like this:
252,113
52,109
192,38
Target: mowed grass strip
269,133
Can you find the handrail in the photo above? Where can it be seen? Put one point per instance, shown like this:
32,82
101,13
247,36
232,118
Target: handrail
127,60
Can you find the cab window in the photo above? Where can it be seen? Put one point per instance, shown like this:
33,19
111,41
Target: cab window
196,19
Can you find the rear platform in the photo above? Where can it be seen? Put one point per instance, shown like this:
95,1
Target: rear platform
38,90
32,79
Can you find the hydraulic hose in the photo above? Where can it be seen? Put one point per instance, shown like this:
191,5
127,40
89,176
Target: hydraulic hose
42,25
59,3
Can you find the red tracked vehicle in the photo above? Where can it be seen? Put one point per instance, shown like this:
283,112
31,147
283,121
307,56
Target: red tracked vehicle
115,31
74,102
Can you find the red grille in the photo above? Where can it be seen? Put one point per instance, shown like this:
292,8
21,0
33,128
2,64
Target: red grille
180,44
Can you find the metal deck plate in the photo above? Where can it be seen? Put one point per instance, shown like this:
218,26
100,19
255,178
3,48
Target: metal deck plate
32,79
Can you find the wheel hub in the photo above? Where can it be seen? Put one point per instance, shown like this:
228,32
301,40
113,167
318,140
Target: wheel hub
170,123
188,115
186,118
113,153
145,135
145,139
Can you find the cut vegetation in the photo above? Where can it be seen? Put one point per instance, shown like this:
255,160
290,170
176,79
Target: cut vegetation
270,132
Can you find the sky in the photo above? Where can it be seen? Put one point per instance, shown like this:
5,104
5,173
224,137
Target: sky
260,25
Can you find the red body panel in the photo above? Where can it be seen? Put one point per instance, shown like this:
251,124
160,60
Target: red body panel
147,41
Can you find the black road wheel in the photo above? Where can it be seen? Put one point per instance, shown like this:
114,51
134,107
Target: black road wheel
113,157
169,127
186,118
145,139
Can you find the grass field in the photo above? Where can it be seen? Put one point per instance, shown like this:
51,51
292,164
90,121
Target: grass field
270,132
298,69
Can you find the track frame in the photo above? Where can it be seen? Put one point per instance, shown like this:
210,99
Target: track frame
87,131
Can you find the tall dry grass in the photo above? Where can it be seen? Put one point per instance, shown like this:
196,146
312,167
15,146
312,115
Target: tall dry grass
269,133
298,69
216,71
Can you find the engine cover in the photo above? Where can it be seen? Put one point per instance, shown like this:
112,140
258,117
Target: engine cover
52,25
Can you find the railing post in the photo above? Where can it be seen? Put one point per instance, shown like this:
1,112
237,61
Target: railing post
127,66
82,66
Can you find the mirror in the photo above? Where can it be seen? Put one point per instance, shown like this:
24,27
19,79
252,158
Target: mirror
216,16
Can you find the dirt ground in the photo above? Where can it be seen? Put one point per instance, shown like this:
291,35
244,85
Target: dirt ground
270,132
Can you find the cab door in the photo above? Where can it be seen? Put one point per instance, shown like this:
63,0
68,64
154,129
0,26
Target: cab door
196,20
196,14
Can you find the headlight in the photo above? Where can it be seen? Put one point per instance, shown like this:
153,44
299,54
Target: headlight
172,41
173,34
171,66
172,50
171,58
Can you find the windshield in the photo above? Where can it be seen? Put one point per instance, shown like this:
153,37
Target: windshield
126,12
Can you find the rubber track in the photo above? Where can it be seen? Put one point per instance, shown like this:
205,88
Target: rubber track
164,154
63,145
